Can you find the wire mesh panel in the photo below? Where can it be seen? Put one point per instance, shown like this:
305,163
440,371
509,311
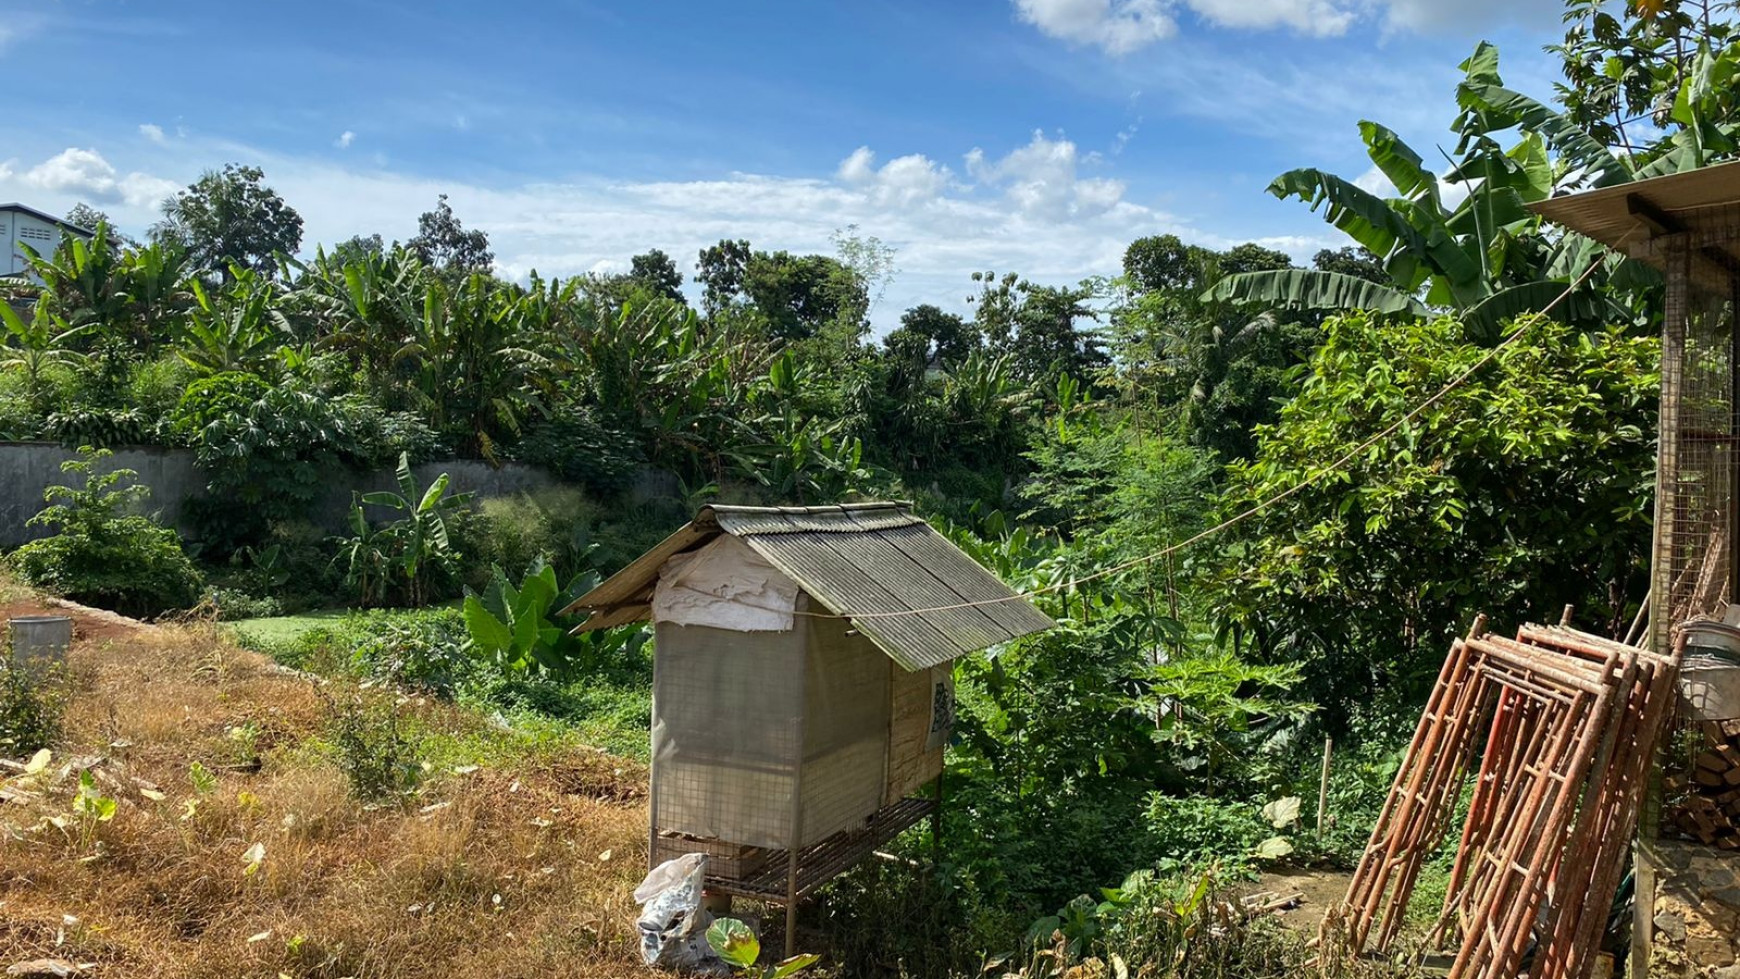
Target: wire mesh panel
727,709
1695,482
845,730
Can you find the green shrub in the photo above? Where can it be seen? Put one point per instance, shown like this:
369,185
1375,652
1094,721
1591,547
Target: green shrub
576,447
421,648
233,604
376,748
33,700
157,386
424,649
85,425
513,531
1199,829
101,556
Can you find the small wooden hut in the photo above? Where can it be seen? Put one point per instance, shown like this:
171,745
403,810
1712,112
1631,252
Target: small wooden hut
1687,225
802,683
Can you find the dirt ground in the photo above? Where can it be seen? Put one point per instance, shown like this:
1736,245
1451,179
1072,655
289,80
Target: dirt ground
512,858
89,624
1317,890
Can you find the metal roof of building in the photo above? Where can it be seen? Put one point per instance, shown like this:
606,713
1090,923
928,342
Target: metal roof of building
45,216
1703,204
854,560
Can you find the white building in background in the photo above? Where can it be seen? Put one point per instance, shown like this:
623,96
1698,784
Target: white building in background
22,225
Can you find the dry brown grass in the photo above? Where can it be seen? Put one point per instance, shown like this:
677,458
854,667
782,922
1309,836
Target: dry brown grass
520,869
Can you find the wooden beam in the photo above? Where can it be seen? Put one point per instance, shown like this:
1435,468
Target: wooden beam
1658,221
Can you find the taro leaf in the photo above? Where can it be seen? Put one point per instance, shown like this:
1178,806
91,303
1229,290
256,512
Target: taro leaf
793,966
1273,848
38,762
734,942
1282,813
487,631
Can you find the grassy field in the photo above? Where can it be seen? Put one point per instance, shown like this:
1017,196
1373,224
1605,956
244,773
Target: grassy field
285,628
516,854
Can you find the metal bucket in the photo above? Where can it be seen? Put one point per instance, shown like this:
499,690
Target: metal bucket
1710,674
41,638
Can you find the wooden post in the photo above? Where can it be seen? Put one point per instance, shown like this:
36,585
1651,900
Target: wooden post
795,848
1323,786
936,822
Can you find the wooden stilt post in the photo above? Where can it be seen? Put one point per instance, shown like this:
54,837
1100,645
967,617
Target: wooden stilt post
1323,786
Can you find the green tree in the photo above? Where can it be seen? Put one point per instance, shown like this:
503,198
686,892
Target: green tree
720,270
236,328
33,347
230,218
1625,71
444,244
1525,489
656,271
87,217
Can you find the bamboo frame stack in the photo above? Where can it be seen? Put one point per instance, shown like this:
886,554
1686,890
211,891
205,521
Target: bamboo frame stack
1565,727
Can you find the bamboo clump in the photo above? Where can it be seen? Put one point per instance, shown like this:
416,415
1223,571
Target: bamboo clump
1559,728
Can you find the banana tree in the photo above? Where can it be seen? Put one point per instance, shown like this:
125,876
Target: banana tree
474,363
1484,256
416,546
239,327
32,347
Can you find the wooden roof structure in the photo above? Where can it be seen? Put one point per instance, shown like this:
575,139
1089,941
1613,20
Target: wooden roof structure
1702,205
906,588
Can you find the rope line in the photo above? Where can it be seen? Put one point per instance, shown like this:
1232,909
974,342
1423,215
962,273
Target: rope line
1232,521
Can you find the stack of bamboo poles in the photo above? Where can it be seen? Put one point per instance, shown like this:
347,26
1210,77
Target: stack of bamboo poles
1564,726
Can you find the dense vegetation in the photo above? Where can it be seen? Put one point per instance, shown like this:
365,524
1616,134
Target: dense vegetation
1175,716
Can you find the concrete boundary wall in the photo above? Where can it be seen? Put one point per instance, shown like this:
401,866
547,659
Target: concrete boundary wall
28,468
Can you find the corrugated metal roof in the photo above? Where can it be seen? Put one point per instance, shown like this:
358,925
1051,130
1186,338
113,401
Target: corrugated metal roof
1625,215
855,560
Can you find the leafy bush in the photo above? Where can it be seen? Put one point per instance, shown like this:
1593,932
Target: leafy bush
420,648
82,425
101,556
578,448
1194,830
424,649
376,749
233,604
1525,489
33,701
513,531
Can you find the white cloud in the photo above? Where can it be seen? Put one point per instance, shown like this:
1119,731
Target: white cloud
1373,181
903,181
84,173
1118,26
1042,180
6,169
1038,209
1316,18
344,140
152,132
1122,26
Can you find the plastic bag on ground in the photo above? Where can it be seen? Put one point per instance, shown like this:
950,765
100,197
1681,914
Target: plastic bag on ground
673,925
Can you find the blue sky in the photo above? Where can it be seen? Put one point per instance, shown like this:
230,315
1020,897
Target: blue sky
1037,136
